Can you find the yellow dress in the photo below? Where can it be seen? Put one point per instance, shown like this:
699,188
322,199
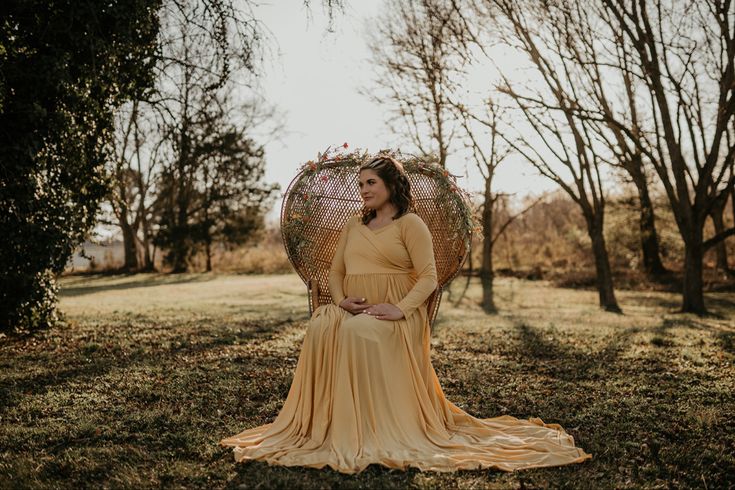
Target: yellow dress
364,390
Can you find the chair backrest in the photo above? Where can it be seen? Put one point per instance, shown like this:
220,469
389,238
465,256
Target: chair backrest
323,196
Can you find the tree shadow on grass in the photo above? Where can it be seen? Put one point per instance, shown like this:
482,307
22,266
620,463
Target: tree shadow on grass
102,283
641,411
91,361
726,341
565,361
662,332
257,474
643,419
718,305
669,303
97,412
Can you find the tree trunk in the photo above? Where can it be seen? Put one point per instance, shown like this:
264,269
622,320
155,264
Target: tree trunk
207,237
145,228
718,210
602,265
693,286
486,270
180,247
147,257
208,249
181,229
131,255
652,264
143,189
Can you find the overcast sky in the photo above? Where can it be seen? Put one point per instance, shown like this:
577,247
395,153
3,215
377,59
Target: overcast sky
313,77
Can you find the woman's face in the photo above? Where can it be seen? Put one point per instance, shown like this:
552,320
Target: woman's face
373,190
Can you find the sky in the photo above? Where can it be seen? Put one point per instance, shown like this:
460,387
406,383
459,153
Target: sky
313,77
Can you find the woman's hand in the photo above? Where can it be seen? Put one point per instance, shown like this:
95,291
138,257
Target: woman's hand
384,311
354,305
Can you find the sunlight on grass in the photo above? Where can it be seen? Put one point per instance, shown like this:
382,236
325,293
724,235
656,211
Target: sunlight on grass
164,295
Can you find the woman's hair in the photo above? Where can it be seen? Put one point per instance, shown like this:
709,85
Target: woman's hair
399,188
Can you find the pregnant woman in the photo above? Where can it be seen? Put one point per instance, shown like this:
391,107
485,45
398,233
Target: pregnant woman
364,390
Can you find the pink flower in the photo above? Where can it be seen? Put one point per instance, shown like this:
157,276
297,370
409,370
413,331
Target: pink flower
324,178
345,145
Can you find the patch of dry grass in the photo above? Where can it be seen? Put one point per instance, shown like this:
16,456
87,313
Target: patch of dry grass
150,371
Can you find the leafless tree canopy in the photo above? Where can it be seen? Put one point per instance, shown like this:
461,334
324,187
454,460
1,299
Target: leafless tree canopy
418,53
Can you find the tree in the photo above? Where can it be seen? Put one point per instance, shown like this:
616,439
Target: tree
201,132
683,55
225,197
65,66
417,56
679,109
489,150
227,42
133,172
136,155
420,49
558,144
233,196
206,47
591,52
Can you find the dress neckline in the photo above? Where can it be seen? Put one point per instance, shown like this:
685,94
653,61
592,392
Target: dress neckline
385,226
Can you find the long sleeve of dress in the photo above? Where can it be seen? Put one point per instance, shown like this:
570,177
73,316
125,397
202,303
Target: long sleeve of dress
337,269
418,242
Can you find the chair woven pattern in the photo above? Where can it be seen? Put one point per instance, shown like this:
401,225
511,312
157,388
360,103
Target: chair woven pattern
318,202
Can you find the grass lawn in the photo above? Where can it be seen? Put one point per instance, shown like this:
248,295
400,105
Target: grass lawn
150,371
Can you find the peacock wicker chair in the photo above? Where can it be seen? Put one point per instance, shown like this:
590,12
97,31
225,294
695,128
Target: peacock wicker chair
324,195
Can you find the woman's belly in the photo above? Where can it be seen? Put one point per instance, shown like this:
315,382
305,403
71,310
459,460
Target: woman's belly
378,288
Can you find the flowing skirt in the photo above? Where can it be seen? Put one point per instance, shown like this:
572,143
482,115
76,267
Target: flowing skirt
365,392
